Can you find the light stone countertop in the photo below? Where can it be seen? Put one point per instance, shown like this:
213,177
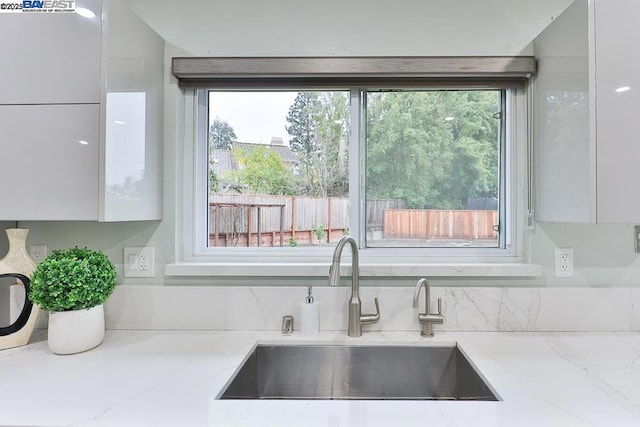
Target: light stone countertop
171,378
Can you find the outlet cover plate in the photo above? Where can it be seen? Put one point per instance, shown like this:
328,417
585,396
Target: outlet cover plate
139,261
564,262
38,252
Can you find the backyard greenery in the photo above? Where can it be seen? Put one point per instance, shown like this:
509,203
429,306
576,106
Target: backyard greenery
263,172
432,149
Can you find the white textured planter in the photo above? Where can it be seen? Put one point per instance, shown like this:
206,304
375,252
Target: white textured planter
76,331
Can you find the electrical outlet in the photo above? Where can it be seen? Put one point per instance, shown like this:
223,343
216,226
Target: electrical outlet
145,259
37,252
564,262
139,262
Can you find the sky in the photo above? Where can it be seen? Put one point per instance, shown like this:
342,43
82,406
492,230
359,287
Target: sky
254,116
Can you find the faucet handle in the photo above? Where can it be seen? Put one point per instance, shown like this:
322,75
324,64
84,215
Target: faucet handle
440,306
367,319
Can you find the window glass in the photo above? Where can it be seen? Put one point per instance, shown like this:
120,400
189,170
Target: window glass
434,168
433,175
278,168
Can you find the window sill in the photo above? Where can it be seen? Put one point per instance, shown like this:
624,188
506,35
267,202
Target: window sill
252,269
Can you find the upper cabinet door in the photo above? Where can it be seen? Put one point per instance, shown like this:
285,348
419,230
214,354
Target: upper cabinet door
617,76
81,110
563,147
50,172
51,58
132,111
587,97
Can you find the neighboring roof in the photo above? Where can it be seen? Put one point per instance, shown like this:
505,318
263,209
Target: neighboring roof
222,161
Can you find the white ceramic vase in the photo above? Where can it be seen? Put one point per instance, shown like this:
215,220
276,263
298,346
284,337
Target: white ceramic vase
76,331
19,265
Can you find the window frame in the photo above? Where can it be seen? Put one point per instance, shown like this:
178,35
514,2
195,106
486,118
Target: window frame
191,216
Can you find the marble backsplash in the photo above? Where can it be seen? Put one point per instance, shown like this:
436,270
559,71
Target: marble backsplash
464,308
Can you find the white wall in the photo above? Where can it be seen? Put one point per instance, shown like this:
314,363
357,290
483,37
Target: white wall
603,253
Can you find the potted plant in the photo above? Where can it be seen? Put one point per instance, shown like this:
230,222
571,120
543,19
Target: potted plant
72,285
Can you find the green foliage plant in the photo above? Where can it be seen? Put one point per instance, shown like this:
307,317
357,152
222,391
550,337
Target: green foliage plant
293,242
433,149
72,279
319,231
318,124
214,182
263,171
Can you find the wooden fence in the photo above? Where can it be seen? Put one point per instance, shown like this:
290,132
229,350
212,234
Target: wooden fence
263,220
375,210
444,224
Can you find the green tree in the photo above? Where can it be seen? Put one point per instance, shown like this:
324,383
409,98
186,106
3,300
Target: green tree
317,124
221,134
214,183
262,171
302,119
221,137
433,149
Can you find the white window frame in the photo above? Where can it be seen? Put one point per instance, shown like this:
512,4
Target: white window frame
195,258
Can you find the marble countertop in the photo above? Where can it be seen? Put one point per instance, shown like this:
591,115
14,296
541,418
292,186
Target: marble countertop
171,378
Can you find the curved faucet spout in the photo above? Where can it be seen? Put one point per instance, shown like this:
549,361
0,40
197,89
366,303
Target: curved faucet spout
427,319
356,318
416,294
334,270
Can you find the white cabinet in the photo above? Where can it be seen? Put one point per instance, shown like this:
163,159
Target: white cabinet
617,68
131,118
585,141
103,88
50,59
50,169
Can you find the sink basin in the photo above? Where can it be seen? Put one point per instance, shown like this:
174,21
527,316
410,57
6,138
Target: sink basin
358,372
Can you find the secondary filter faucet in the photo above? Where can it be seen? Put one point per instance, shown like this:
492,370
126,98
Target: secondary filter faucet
356,318
427,319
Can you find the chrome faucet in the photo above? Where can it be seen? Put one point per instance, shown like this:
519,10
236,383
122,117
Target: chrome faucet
356,318
427,319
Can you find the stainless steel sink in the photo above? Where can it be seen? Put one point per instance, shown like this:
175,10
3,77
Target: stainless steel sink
358,372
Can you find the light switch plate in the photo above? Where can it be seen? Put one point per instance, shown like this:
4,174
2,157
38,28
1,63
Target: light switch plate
139,261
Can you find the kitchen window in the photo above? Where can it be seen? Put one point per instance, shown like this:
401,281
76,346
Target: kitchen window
415,168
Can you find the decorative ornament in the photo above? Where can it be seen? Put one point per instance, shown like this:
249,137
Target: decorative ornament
19,265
